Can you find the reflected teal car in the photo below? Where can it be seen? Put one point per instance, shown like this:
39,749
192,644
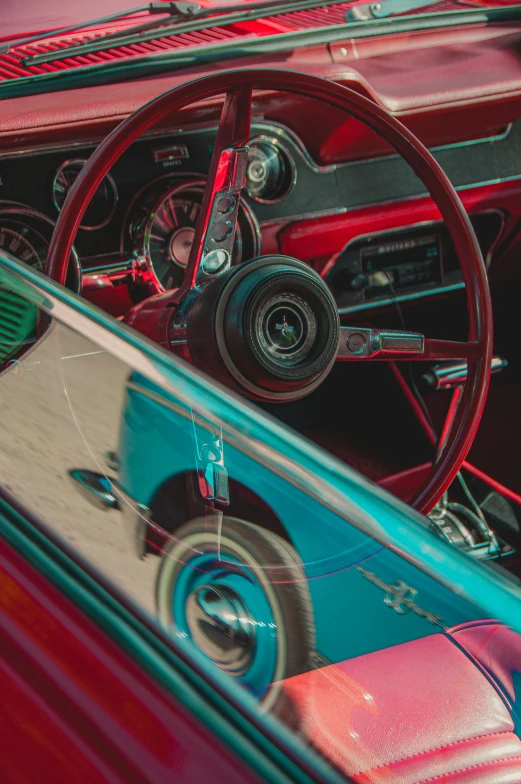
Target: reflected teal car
265,577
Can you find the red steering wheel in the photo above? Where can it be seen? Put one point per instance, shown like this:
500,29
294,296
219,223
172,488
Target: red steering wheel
225,317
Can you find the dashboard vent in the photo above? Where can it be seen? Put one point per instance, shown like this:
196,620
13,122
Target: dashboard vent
11,66
305,20
335,15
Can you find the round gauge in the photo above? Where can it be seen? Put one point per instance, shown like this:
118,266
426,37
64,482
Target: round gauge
163,230
271,172
103,204
26,234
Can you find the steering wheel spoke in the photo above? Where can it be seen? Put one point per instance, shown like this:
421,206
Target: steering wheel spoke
215,231
451,349
385,344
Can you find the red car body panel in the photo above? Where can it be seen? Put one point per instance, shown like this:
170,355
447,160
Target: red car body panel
75,708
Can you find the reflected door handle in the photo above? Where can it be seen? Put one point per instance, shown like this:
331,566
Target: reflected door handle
96,488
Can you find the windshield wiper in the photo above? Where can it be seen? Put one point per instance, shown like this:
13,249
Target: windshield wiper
199,20
367,11
179,9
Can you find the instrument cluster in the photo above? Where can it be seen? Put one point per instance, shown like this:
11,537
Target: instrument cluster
142,218
139,228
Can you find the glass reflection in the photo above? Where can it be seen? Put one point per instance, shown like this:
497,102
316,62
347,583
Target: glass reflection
249,547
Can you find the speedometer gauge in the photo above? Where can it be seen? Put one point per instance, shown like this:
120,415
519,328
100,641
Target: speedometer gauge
162,229
102,205
170,233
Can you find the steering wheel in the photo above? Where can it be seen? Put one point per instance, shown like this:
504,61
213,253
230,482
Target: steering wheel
270,327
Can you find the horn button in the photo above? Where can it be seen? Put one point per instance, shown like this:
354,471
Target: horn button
287,328
269,327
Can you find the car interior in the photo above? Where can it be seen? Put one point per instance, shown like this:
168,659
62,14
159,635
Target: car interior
171,200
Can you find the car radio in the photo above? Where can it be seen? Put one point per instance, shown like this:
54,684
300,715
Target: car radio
404,263
400,262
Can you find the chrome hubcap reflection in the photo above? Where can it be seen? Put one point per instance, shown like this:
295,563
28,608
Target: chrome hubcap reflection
221,627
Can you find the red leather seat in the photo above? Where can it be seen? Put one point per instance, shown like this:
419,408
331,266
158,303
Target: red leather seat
438,709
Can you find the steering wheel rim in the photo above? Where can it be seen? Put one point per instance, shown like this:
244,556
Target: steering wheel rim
404,142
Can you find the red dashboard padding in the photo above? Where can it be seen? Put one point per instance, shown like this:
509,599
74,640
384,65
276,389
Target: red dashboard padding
418,712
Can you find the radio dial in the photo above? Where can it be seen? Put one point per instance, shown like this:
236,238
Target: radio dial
358,282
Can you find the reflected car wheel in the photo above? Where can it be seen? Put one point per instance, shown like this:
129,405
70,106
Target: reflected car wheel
239,592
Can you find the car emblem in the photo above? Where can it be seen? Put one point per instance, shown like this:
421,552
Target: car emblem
397,595
401,598
285,328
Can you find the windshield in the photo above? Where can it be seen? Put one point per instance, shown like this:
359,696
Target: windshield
69,47
20,17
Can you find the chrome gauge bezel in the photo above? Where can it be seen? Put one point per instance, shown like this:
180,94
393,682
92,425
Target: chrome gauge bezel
24,215
108,179
280,148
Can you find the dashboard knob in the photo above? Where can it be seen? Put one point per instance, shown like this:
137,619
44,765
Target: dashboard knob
358,282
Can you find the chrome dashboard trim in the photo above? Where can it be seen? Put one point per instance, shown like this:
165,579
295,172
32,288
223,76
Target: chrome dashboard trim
281,131
92,144
498,137
115,268
267,125
413,295
286,220
469,143
329,168
257,124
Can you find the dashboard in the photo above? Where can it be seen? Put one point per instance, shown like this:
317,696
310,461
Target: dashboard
136,235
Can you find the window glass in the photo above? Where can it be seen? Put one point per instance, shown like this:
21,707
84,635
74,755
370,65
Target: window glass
307,585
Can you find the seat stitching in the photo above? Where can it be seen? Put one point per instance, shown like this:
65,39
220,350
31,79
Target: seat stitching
470,767
434,748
